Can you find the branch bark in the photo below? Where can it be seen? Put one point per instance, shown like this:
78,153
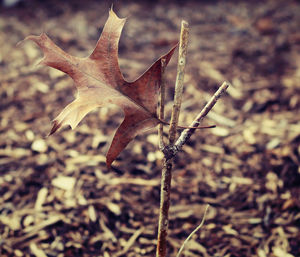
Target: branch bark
161,113
174,147
187,133
163,223
169,152
184,34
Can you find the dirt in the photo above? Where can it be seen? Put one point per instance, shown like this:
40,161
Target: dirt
58,199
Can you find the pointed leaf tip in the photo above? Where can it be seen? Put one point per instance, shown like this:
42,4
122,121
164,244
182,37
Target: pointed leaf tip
34,38
108,164
114,15
55,127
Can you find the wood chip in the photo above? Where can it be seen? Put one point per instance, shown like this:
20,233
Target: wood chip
41,198
64,182
39,145
37,251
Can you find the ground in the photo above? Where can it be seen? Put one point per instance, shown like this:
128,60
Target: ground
57,197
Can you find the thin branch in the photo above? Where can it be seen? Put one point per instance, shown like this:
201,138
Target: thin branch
163,122
166,176
179,80
130,242
195,230
163,222
169,152
187,133
161,114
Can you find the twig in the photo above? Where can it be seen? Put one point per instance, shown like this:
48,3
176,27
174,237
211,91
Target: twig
162,104
195,230
187,133
172,149
163,222
130,242
179,80
169,152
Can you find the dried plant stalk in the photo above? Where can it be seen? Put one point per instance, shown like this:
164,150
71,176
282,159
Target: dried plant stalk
163,222
187,133
162,98
173,147
193,233
167,165
184,34
169,152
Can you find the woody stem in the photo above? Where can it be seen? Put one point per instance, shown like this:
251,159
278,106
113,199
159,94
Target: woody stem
168,158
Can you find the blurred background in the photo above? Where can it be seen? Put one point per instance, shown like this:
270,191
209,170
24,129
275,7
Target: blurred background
56,196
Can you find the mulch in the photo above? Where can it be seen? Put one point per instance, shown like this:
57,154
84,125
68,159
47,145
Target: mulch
58,199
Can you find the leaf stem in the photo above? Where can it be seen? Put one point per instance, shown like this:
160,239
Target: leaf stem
161,114
163,122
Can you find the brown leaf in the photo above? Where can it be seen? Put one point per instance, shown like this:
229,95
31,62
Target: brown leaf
99,81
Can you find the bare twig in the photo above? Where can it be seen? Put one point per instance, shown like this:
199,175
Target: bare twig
195,230
172,149
163,223
130,242
162,104
187,133
169,152
179,80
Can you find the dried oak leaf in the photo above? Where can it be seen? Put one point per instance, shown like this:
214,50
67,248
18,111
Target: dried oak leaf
99,81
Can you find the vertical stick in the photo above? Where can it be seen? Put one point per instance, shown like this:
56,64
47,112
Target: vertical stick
163,223
161,113
179,80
